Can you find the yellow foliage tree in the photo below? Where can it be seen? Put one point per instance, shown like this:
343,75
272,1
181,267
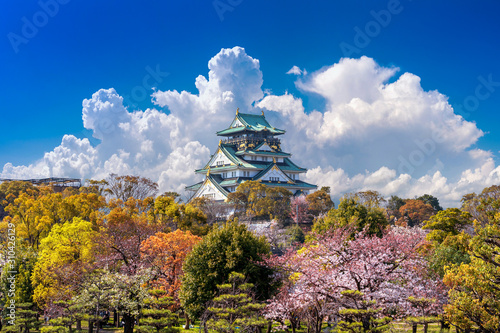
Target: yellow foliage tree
65,255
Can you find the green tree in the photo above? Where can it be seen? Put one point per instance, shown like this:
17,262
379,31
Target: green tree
449,242
23,265
431,200
27,317
230,248
393,205
359,315
234,309
424,316
352,213
96,295
69,313
156,316
475,286
449,222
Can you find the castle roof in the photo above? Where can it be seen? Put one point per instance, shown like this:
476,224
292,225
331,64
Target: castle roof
245,122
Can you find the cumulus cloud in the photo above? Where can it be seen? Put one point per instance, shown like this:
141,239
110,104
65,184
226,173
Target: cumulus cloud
379,130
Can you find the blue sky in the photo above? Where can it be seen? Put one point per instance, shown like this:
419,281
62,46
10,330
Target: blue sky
84,46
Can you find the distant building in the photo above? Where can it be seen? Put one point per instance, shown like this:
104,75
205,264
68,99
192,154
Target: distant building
250,150
58,184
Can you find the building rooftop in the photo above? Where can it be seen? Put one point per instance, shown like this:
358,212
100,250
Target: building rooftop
245,122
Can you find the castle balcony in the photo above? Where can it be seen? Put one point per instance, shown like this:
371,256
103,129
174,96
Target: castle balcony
252,141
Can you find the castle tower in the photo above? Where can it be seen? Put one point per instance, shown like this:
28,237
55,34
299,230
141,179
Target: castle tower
249,150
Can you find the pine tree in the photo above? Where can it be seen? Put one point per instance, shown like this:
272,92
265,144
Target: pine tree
27,318
234,310
71,313
157,316
422,314
360,314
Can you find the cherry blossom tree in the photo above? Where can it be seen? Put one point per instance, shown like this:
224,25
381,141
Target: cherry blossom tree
337,276
299,208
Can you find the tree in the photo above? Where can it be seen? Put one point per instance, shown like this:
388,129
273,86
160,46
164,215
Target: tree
363,279
360,315
234,309
249,200
23,264
124,229
475,286
165,254
103,291
449,222
422,313
431,200
130,296
125,187
65,256
214,211
96,297
156,315
27,317
414,213
482,206
278,200
449,242
319,202
170,215
230,248
10,190
67,314
370,199
86,206
354,215
299,207
393,205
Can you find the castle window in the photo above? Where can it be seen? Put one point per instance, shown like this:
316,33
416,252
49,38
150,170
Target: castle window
220,163
264,158
233,174
274,179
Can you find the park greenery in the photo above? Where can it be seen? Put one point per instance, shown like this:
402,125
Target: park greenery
115,254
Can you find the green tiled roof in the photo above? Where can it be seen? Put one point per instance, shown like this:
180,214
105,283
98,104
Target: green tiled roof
216,181
230,153
263,172
216,168
194,187
290,166
253,123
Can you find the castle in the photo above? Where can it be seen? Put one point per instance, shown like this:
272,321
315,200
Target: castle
250,150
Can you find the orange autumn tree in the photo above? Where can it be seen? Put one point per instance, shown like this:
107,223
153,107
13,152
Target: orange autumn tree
414,212
165,253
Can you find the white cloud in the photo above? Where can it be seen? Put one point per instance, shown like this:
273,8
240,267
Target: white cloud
296,71
376,131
